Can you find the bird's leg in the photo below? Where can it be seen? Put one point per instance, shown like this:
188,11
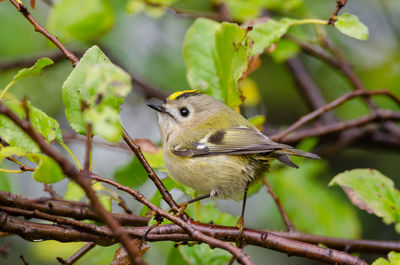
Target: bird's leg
240,222
182,206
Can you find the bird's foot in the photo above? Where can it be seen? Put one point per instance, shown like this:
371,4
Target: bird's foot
240,226
181,209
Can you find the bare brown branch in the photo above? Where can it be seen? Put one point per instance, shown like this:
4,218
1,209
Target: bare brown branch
339,5
81,179
24,11
57,208
305,119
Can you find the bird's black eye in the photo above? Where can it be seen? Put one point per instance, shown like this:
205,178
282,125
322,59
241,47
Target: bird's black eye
184,112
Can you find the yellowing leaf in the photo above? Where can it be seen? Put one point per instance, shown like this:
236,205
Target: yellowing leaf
250,92
371,191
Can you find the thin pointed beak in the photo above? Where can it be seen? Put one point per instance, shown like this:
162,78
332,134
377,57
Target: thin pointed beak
159,108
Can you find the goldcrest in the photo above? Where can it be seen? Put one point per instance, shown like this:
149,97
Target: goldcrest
211,148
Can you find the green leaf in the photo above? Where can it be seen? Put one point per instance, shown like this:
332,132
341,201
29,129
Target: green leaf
105,200
371,191
267,33
394,259
216,56
349,25
36,69
4,182
80,20
285,49
105,122
155,160
47,171
135,6
175,257
199,51
131,174
284,6
14,136
155,8
101,87
257,120
45,125
202,254
208,213
156,199
231,62
244,10
310,205
250,9
170,184
74,192
11,151
255,187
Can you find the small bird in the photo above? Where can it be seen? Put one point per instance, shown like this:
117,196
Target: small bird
212,149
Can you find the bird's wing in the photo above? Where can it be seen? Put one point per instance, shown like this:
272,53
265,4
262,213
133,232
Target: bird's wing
237,141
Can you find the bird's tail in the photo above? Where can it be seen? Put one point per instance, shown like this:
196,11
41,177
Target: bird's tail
283,155
296,152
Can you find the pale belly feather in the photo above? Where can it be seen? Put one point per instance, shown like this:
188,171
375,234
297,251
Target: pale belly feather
224,176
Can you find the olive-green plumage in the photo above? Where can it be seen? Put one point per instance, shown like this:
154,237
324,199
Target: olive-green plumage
211,148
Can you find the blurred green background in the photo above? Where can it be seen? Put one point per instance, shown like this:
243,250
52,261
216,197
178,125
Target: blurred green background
151,48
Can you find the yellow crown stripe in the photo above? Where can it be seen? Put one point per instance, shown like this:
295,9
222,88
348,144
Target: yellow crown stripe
177,94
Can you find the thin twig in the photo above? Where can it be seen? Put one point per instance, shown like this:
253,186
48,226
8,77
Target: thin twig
22,166
220,16
49,189
187,226
56,219
23,260
71,260
339,5
88,148
308,89
55,56
64,208
24,11
123,205
282,211
152,175
306,118
172,232
68,137
81,179
379,115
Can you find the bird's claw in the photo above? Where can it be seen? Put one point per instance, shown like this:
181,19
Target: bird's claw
181,209
240,226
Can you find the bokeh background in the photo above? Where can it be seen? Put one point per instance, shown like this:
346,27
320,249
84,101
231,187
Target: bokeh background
151,48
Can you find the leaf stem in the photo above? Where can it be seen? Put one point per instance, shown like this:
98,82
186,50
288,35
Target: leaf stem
3,92
11,171
309,21
91,154
71,154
